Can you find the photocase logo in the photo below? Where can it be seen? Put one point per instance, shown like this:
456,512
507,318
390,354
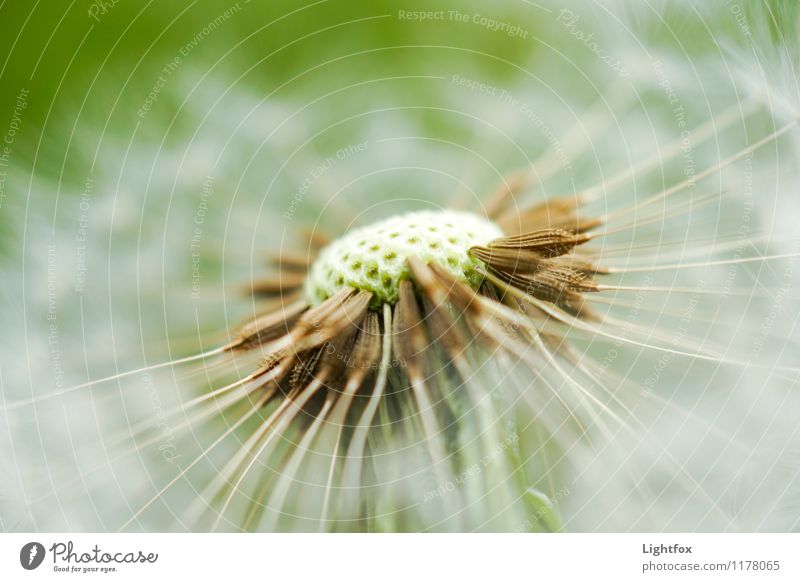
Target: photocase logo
31,555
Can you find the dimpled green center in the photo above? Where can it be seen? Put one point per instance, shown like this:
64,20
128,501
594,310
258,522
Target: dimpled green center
373,258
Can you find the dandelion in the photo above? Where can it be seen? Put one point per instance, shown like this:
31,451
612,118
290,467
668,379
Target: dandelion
383,332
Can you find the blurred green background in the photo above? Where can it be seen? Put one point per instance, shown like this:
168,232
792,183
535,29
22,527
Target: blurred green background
82,69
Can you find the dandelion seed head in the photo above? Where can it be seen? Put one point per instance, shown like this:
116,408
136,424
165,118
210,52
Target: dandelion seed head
374,258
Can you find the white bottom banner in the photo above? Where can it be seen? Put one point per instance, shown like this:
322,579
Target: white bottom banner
354,557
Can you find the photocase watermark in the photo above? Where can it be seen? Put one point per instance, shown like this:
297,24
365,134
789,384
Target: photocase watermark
510,30
169,69
317,172
69,560
679,113
100,8
206,31
524,109
82,235
346,357
744,225
53,347
197,234
167,447
630,319
739,16
569,20
777,306
473,470
680,333
161,82
31,555
487,22
10,137
548,506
